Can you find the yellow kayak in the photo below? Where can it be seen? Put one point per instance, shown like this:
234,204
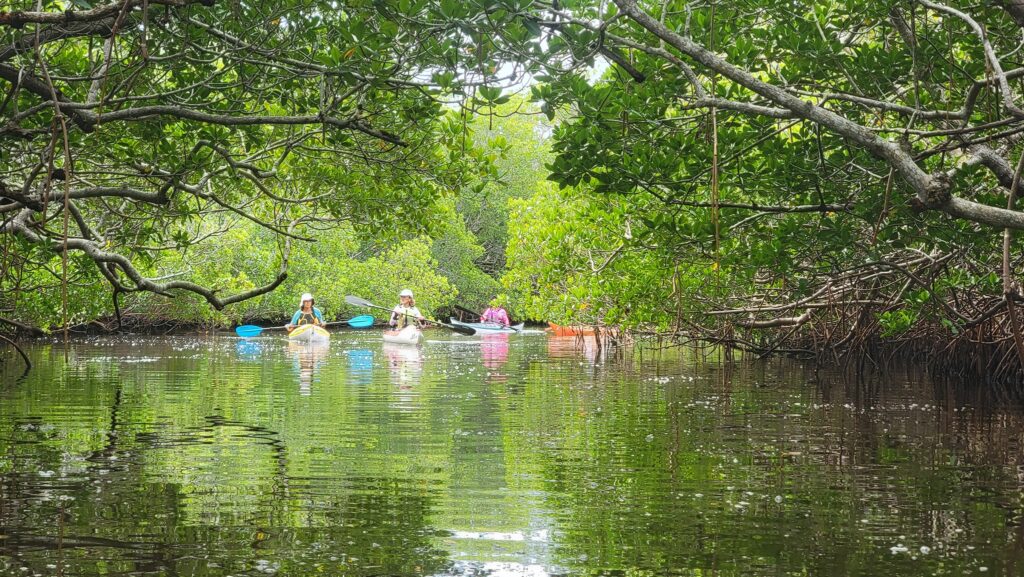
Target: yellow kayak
309,334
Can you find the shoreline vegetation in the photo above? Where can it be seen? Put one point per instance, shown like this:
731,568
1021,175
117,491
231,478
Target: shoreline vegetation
983,362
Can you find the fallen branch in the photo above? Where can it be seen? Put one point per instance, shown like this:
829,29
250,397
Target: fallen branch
777,322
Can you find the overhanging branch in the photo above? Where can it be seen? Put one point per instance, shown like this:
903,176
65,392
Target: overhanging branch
19,19
103,257
933,191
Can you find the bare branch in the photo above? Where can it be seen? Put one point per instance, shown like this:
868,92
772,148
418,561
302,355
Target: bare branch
776,322
20,19
37,86
102,257
990,54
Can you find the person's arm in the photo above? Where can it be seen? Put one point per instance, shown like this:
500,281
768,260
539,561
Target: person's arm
319,315
294,321
503,316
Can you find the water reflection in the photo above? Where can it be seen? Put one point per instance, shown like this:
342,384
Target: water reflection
360,366
494,350
405,363
585,347
182,457
308,357
249,349
494,354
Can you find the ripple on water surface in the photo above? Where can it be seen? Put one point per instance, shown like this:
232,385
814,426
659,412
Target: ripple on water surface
511,455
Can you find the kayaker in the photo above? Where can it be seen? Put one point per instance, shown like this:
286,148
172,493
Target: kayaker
405,311
307,313
495,314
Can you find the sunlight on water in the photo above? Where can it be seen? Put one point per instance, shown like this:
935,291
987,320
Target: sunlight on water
501,455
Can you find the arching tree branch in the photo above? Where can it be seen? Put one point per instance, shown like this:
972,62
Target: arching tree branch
933,191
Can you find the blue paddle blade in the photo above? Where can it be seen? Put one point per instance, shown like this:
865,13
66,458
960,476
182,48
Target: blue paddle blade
361,322
248,331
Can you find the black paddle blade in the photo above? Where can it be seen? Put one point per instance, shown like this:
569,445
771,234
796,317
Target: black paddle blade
468,331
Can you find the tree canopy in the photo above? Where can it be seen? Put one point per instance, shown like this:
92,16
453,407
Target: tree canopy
139,127
844,166
765,160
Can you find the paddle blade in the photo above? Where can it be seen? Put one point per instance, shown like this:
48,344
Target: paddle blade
468,331
246,331
354,300
361,322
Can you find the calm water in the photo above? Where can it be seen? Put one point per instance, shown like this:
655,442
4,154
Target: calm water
517,456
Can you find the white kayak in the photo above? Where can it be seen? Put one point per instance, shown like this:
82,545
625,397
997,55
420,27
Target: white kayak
309,334
490,327
410,335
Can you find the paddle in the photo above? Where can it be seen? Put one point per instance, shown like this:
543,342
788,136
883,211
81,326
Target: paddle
354,300
510,327
360,322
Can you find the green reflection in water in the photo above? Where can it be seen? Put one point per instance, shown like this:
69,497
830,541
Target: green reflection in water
503,455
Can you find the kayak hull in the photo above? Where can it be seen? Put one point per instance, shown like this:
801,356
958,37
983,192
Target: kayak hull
309,334
408,336
576,331
489,327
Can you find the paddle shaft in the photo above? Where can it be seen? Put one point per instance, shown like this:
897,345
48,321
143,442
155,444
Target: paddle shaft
403,314
352,300
253,330
321,325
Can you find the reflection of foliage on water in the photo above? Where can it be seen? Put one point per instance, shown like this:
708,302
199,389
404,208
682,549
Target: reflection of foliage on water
180,460
209,468
669,475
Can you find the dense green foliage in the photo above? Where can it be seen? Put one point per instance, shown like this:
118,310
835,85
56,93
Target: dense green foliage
181,121
209,144
519,138
836,170
335,266
703,192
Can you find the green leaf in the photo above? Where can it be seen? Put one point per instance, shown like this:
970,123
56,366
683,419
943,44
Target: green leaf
532,27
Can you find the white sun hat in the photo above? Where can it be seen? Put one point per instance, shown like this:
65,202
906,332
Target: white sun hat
305,297
405,293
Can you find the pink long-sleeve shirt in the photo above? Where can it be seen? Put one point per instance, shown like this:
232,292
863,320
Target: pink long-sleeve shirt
494,315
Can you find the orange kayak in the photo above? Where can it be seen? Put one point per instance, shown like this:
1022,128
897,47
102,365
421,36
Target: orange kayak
571,331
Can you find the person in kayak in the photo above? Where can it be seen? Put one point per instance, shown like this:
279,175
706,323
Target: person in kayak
495,314
307,313
405,312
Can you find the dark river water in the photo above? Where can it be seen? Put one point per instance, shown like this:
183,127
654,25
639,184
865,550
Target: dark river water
500,456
